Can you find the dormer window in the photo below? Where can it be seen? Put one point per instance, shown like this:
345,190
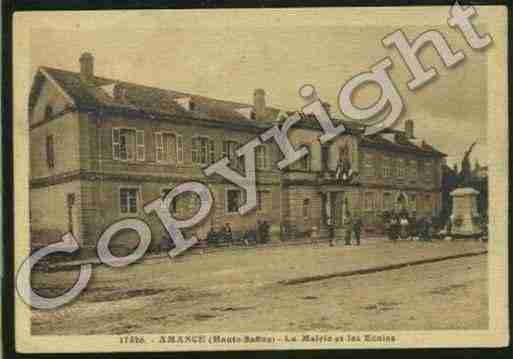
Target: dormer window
248,112
186,103
48,113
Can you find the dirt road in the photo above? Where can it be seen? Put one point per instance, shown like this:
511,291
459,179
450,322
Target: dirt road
239,291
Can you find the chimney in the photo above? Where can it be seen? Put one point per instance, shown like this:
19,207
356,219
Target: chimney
408,129
259,103
86,66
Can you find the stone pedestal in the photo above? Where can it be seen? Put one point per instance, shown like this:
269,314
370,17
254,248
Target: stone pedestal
464,212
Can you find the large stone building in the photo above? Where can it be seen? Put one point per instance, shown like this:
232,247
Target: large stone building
101,148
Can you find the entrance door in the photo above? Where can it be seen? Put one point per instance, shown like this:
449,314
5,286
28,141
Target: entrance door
402,202
334,208
339,208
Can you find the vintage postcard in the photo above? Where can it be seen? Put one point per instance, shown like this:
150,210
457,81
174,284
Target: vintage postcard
315,178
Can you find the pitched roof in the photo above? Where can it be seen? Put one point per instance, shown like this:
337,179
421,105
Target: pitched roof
89,95
396,140
95,94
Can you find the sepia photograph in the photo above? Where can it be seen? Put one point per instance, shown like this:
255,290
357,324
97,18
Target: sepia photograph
261,179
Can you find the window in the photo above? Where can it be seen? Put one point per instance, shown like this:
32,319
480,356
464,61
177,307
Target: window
393,168
368,164
304,162
261,157
306,208
229,150
370,201
179,148
184,205
234,199
50,152
413,168
203,151
401,168
168,147
124,144
140,145
263,200
387,169
128,200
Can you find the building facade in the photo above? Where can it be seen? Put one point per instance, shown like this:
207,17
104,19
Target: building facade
100,149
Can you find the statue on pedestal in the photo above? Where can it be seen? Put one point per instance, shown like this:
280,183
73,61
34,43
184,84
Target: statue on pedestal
465,217
466,170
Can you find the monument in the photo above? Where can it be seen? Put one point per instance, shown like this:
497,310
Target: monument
465,216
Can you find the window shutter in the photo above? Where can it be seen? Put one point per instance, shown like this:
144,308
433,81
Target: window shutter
211,150
115,143
203,150
195,150
130,144
226,149
159,147
140,145
179,148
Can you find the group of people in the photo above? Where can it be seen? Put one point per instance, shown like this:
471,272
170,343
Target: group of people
404,226
353,227
259,235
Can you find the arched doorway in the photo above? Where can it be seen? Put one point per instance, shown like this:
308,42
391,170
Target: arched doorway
401,202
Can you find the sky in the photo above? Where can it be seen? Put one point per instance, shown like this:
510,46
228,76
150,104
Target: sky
226,57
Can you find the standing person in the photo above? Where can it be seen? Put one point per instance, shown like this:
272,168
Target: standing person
421,227
338,171
393,226
386,223
449,226
403,222
484,228
426,228
266,230
348,229
429,228
259,232
357,229
227,231
413,226
331,231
